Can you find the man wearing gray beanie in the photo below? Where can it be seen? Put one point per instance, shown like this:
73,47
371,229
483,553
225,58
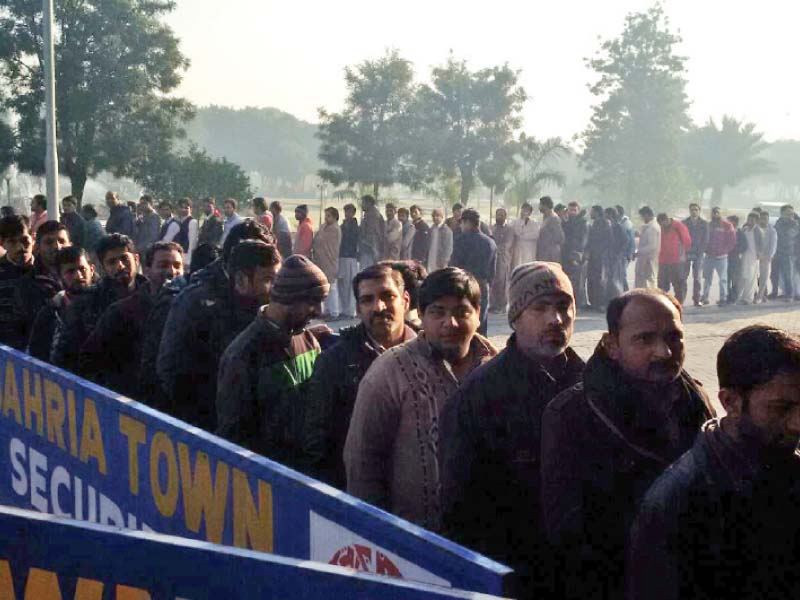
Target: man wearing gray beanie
490,430
264,373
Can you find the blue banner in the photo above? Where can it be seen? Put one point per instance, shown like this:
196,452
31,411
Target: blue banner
73,449
43,557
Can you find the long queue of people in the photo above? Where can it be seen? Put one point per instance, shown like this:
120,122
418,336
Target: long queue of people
557,467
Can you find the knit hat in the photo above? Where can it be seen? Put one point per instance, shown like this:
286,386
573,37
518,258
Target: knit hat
531,281
299,279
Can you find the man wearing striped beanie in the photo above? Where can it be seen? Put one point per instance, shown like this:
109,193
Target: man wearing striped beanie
264,373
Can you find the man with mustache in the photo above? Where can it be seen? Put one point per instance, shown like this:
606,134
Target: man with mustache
608,438
391,451
723,521
381,302
491,429
120,263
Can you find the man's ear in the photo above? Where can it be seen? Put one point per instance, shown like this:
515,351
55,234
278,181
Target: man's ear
610,343
732,401
406,301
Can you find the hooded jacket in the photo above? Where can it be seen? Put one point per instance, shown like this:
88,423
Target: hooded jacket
331,397
602,448
722,522
490,450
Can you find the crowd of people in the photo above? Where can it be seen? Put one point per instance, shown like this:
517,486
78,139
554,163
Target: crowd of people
557,467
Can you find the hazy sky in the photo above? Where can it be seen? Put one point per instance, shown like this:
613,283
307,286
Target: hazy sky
291,54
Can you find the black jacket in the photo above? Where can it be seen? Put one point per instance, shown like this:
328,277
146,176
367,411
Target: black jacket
421,243
476,253
263,384
46,323
80,319
76,227
22,294
490,443
602,448
203,319
210,231
720,523
331,397
699,232
576,231
599,239
121,220
111,354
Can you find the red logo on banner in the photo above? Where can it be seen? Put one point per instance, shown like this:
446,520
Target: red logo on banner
360,557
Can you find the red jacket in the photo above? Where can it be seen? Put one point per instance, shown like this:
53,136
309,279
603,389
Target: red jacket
721,240
675,243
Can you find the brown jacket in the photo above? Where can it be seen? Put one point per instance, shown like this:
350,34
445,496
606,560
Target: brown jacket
391,450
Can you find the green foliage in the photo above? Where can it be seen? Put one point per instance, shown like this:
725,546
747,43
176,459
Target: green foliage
115,64
720,157
267,140
535,169
462,119
365,142
632,144
195,175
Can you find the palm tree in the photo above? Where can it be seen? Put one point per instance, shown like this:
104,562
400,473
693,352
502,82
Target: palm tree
720,157
534,168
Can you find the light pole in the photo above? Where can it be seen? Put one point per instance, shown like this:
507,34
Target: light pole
8,176
321,187
51,157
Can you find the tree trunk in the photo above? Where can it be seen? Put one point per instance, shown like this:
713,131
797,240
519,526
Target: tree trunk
78,182
467,179
491,204
375,188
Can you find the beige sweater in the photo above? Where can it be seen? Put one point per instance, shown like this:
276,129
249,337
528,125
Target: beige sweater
391,450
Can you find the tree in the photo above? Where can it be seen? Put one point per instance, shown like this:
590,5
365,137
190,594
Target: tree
785,154
194,175
632,144
534,168
494,171
365,142
720,157
6,145
464,118
115,63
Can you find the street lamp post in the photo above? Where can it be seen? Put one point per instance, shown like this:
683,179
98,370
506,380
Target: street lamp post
51,157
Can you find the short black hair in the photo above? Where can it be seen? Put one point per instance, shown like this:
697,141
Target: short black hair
369,199
617,306
69,199
230,201
210,200
112,242
351,207
12,226
49,227
471,216
185,202
413,207
526,206
260,203
381,270
733,219
150,253
620,210
40,200
7,211
333,212
303,208
147,199
662,217
595,210
611,213
559,207
574,203
546,201
413,273
203,256
450,281
165,204
69,255
389,205
646,211
756,354
247,255
694,205
89,211
458,206
276,206
249,229
787,207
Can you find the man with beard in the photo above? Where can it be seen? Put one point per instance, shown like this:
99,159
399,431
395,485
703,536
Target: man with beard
205,317
22,291
608,438
119,263
264,373
391,451
111,354
74,221
503,236
576,231
382,302
723,521
491,430
211,229
51,237
76,275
